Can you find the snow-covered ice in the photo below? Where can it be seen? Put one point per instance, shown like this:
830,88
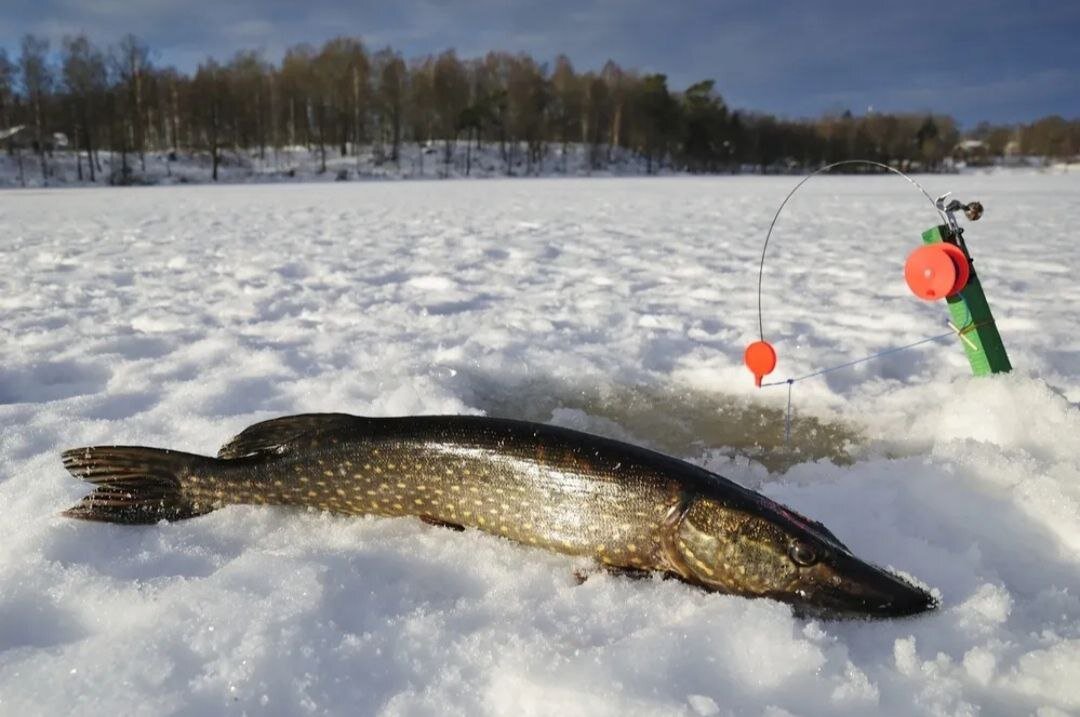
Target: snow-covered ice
177,316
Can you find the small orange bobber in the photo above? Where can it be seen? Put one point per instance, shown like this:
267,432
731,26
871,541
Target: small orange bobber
935,271
760,358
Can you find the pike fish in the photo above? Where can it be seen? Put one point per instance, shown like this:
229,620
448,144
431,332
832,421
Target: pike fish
629,508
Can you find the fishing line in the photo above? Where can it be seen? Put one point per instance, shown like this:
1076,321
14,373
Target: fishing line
787,416
968,326
871,357
790,382
804,180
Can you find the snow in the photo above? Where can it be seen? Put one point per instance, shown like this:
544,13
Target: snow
176,316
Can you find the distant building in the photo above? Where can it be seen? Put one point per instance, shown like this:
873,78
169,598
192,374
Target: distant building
972,152
8,134
19,137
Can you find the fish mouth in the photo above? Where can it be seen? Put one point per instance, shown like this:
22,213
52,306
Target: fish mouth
859,590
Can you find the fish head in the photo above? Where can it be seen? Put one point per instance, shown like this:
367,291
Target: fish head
771,551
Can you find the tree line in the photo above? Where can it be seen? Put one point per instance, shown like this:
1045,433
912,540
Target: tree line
343,98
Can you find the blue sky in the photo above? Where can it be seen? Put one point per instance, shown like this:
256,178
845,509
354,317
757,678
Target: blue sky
994,60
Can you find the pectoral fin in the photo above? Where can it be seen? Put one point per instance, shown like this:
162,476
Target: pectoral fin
583,574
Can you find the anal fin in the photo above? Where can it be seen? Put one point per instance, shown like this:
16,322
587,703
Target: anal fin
442,523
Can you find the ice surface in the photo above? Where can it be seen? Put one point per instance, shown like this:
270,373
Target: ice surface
177,316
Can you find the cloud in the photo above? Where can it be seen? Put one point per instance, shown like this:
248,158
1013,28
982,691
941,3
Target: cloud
994,59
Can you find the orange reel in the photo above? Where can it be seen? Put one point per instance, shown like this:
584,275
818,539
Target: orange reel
935,271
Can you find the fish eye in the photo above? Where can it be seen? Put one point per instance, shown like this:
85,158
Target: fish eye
802,554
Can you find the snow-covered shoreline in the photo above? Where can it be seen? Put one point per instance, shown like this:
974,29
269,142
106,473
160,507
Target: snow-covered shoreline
302,165
177,316
294,165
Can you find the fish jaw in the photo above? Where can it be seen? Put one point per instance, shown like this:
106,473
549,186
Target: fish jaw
846,587
766,550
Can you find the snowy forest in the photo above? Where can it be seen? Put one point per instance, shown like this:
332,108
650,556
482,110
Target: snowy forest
338,98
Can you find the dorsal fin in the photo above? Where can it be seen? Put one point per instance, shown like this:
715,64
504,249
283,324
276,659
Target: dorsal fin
279,434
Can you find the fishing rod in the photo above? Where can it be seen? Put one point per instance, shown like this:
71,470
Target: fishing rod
941,268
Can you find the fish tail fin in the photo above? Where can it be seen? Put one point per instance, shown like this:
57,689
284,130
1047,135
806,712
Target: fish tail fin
134,485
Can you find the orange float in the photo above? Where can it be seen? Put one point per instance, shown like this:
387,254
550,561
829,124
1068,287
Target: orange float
760,358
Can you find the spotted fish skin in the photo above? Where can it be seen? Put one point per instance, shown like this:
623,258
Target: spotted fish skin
563,490
537,484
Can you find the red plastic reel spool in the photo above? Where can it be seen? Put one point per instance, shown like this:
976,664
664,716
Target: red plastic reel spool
935,271
963,268
760,358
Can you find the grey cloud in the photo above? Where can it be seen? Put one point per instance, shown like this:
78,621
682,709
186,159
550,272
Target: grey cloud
994,58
